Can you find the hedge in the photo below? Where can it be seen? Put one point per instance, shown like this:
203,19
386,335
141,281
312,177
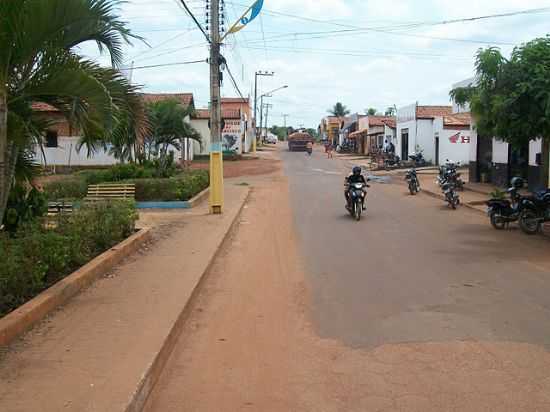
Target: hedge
180,187
35,257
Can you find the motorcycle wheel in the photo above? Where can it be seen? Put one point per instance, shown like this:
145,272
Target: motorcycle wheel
412,188
357,210
496,221
529,223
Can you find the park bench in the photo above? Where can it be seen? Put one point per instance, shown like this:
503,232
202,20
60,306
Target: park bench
111,191
60,208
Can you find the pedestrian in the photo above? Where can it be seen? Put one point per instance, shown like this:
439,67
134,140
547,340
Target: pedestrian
329,151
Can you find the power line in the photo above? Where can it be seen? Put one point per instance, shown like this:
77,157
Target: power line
233,81
167,64
194,19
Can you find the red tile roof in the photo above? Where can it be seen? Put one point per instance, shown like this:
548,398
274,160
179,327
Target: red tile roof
390,123
204,114
235,100
458,120
429,112
380,120
185,98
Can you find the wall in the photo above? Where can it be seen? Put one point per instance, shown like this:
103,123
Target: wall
406,119
67,155
424,139
201,125
454,144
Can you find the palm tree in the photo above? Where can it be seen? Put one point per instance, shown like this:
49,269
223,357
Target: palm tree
168,128
339,110
39,63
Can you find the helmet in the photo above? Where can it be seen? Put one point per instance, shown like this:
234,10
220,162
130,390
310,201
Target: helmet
356,170
516,182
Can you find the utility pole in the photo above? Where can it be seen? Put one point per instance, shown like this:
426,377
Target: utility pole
286,131
216,155
267,106
259,134
258,73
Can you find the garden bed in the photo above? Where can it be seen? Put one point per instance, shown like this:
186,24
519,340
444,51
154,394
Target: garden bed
35,258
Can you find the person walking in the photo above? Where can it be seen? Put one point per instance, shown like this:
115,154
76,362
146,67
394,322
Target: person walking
329,151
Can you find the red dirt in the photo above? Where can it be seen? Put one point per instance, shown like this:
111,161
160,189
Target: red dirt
248,167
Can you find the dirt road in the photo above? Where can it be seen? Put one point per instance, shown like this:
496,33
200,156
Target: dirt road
273,331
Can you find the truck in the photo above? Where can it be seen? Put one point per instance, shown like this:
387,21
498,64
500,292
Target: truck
298,141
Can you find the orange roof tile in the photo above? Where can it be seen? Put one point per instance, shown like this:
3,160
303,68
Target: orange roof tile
185,98
458,120
429,112
380,120
235,100
204,114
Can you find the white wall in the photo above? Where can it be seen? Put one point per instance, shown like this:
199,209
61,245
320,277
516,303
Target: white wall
66,155
455,146
473,143
500,151
424,139
411,126
201,126
535,146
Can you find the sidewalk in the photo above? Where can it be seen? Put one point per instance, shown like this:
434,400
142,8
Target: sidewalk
95,353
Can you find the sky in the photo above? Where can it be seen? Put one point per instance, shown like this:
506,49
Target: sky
363,53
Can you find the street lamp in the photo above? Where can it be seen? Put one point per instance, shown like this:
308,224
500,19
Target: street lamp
268,94
256,74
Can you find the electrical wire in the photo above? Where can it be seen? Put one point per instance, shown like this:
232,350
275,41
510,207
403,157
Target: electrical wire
194,19
166,65
233,81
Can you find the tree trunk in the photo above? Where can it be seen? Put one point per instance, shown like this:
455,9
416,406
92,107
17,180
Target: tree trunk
545,168
4,167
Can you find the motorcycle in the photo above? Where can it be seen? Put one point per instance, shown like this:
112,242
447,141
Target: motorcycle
535,211
418,159
357,196
414,184
450,194
345,147
392,162
502,212
450,169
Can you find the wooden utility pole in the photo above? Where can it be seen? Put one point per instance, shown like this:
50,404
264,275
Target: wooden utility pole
216,154
286,131
267,106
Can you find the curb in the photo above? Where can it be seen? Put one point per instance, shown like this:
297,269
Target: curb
199,198
23,318
441,197
152,374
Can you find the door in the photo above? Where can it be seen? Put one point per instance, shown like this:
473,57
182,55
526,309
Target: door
518,159
437,150
405,145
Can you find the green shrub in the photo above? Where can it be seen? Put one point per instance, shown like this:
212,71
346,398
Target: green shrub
182,187
126,171
71,189
35,257
24,205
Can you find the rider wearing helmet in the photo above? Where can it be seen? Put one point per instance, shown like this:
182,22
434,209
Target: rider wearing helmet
354,177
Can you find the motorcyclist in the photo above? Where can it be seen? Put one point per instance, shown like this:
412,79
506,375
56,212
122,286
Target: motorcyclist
354,177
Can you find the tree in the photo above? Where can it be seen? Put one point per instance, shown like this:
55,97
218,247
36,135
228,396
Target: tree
390,111
371,111
339,110
167,130
511,97
39,63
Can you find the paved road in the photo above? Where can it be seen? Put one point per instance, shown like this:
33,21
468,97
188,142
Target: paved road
414,309
413,270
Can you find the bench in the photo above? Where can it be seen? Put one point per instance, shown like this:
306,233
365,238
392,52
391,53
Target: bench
111,191
60,208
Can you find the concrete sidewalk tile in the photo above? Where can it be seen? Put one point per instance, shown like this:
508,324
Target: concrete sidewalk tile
93,353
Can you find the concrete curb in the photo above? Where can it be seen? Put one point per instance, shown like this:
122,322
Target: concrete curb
154,370
23,318
200,197
441,197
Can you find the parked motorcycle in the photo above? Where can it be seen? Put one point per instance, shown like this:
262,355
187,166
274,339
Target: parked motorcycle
392,162
502,212
412,179
451,196
346,147
357,194
418,159
535,211
450,169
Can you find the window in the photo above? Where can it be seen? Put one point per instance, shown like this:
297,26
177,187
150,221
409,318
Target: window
51,138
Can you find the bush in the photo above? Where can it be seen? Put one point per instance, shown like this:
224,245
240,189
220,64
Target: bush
70,189
183,187
35,258
24,205
126,171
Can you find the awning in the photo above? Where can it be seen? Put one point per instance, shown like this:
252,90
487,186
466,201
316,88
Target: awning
358,134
